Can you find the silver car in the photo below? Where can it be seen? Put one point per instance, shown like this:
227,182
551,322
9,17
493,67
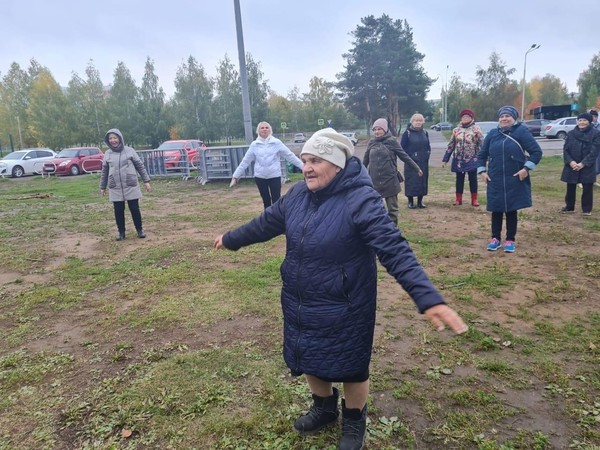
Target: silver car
26,161
559,128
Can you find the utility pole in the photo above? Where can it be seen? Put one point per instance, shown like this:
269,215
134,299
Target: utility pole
243,74
20,136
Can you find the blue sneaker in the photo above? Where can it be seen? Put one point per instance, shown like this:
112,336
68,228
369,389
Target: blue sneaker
493,245
509,246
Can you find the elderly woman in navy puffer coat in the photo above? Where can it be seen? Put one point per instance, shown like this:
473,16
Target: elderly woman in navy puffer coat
579,154
335,224
507,155
266,153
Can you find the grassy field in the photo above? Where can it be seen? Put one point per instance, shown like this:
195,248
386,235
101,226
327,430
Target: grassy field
166,343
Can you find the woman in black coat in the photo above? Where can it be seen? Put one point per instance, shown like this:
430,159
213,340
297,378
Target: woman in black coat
415,142
579,153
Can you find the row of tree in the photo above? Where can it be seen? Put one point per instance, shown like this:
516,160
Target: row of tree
382,77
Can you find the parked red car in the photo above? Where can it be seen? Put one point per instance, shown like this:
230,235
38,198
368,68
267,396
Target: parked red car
73,161
173,152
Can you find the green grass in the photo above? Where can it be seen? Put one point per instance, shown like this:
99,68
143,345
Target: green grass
168,343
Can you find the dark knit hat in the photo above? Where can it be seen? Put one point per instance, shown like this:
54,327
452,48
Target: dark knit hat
586,116
510,110
466,112
593,112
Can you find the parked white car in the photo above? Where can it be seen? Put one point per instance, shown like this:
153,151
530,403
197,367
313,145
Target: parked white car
350,135
559,128
26,161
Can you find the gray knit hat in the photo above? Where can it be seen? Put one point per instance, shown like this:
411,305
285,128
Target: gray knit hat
329,145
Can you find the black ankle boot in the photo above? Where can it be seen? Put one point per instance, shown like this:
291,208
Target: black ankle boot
421,205
354,428
121,236
411,203
141,234
323,412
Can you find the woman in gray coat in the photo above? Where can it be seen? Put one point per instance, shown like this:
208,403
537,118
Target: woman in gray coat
120,171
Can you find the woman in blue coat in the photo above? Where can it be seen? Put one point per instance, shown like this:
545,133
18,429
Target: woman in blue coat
335,224
507,155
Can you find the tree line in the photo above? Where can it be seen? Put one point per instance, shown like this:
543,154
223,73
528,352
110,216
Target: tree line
382,77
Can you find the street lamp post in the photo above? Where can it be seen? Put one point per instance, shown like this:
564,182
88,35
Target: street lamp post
446,91
529,50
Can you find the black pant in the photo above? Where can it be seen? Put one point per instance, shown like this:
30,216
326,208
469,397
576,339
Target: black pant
587,197
136,215
511,225
270,189
460,181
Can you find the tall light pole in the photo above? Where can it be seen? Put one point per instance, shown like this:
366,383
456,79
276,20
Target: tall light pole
243,73
529,50
446,90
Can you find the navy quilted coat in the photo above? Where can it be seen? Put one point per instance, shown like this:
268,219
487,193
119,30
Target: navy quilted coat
504,158
329,273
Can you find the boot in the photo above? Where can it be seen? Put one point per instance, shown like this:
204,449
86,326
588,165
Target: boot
354,428
121,236
323,412
141,234
474,201
458,200
420,203
411,203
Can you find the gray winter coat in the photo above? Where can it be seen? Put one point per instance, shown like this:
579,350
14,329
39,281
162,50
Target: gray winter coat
120,171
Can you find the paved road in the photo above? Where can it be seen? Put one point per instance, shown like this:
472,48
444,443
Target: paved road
439,144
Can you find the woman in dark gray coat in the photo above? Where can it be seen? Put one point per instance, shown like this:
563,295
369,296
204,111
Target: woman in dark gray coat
120,171
381,161
579,153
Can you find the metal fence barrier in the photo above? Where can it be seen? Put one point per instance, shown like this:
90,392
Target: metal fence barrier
160,164
219,163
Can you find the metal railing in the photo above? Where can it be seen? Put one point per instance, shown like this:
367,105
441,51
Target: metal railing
219,163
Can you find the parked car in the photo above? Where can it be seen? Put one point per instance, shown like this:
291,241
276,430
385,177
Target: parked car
559,128
173,152
299,137
486,127
536,125
73,161
350,135
26,161
442,126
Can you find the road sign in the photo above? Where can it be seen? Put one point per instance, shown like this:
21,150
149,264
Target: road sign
320,122
283,125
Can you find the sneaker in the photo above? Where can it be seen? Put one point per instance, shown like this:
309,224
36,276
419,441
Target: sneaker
587,213
493,245
509,246
565,210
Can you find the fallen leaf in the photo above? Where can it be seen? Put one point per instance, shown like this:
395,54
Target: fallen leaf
126,433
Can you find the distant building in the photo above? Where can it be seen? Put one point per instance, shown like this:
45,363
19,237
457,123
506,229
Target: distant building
552,112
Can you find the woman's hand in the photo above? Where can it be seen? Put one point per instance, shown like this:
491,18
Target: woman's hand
522,174
420,173
102,192
219,242
147,187
442,315
233,182
485,177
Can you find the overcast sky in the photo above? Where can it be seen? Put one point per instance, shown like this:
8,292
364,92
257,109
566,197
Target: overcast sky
294,40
